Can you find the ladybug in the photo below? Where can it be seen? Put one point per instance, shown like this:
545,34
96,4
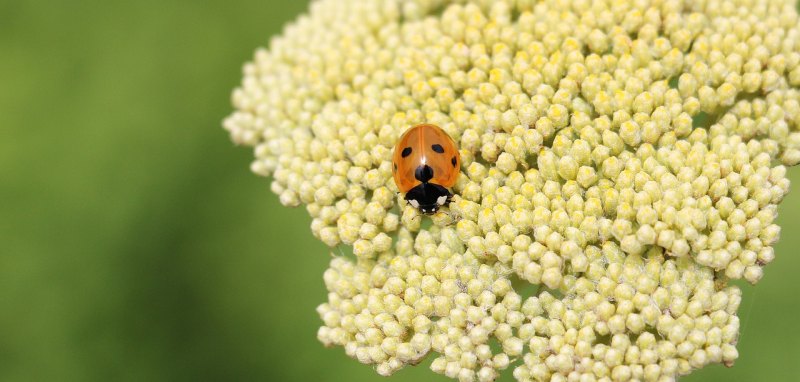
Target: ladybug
425,164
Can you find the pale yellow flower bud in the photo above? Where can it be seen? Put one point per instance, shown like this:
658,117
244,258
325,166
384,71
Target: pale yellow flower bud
626,158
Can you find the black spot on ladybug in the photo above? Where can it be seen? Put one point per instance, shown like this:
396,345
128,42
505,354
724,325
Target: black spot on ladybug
438,148
406,152
423,173
395,167
453,161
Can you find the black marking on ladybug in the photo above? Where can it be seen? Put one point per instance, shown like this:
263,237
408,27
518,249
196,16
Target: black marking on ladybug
406,152
438,148
423,173
428,197
395,167
453,161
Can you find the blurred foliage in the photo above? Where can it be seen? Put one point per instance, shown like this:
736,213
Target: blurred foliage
136,245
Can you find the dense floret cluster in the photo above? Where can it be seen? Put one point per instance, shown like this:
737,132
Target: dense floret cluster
622,161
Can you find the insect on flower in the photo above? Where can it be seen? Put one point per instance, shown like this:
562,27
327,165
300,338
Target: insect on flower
582,158
425,164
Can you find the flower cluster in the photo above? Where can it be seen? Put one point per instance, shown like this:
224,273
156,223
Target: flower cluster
625,159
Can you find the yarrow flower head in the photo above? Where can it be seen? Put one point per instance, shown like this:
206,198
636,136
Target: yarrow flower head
624,159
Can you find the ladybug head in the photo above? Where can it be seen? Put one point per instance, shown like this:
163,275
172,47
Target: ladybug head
428,197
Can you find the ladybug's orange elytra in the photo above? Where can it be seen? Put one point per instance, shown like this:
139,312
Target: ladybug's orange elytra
425,163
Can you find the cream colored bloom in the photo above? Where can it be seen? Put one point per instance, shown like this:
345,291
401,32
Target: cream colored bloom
625,157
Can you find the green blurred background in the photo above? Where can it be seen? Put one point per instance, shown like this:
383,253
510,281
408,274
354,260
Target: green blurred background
136,245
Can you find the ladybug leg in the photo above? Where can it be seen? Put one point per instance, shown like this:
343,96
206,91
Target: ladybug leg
455,217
